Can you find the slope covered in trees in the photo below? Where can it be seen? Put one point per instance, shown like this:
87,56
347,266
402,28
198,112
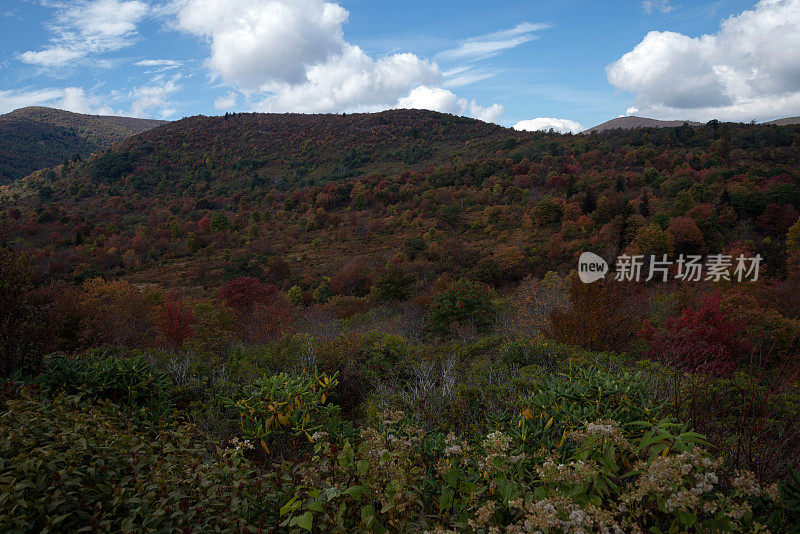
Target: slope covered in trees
373,322
36,137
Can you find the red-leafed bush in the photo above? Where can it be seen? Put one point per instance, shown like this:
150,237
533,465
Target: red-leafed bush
243,294
174,323
777,219
702,338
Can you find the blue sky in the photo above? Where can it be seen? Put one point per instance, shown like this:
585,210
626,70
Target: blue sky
535,64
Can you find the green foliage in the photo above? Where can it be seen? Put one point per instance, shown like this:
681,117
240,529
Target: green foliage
220,222
130,381
70,464
395,284
463,302
280,404
579,394
793,237
295,295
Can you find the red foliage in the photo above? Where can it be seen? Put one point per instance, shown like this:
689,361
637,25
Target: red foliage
686,233
702,338
244,293
777,218
204,224
174,322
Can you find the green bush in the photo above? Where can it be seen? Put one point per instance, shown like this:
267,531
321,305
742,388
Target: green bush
70,464
569,399
130,381
283,404
394,284
463,302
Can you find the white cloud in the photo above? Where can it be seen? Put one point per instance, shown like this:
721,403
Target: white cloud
291,55
662,6
466,75
88,27
153,99
255,43
226,102
545,124
158,63
743,72
485,46
442,100
73,99
352,81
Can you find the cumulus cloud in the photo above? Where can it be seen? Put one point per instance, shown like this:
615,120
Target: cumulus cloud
439,99
255,43
73,99
545,124
89,27
291,55
352,81
743,72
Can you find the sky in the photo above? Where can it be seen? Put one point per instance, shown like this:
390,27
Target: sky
530,64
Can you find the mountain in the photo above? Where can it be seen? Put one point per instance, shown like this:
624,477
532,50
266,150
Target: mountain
628,123
785,121
631,122
36,137
295,199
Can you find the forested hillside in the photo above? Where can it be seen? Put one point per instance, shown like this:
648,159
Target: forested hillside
35,137
372,322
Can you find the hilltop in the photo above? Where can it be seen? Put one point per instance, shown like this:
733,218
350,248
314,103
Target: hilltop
785,121
631,122
627,123
35,137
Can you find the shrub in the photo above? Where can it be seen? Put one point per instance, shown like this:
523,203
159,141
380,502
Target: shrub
702,338
68,464
283,404
464,303
602,316
23,327
394,284
129,381
174,322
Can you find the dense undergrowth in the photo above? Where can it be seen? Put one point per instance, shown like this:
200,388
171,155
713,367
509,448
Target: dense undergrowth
462,436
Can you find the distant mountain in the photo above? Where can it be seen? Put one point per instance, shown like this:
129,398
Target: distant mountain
36,137
629,123
785,121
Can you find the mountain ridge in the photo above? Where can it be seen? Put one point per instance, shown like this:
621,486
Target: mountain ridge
630,122
36,137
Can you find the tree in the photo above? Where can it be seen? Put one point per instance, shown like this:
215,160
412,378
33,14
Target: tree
793,237
687,235
589,203
702,338
777,219
644,205
23,323
462,303
394,284
602,316
174,322
244,293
